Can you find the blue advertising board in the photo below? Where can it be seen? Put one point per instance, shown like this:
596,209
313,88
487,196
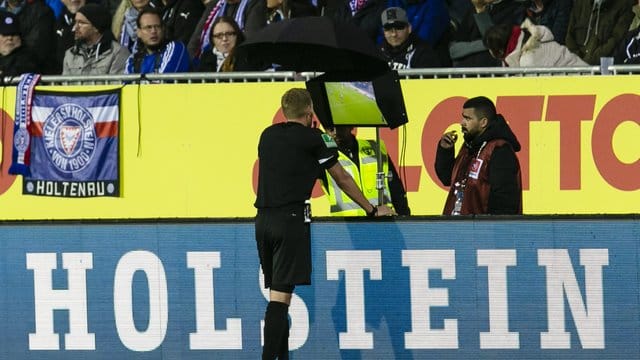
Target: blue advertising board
426,288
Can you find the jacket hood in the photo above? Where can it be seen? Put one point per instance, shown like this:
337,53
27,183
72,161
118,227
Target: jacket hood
539,33
498,129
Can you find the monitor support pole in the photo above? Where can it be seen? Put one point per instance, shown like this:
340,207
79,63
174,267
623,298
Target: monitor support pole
380,175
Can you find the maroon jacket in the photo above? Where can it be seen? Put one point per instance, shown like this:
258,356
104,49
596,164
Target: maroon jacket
489,170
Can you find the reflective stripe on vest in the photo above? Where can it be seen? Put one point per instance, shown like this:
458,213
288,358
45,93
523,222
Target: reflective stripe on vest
340,203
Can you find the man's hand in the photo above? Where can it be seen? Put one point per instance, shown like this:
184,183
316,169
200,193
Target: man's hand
448,139
481,5
384,210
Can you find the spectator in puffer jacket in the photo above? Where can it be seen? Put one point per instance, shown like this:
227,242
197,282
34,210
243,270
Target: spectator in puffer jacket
528,45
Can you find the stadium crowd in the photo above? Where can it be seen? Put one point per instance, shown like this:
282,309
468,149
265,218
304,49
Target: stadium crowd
81,37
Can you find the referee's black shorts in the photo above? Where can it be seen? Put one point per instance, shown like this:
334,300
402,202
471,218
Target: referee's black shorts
284,246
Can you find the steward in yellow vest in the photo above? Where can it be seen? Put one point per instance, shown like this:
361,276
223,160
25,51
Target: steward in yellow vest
359,158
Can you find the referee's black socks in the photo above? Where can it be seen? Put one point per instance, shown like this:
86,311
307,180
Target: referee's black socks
276,331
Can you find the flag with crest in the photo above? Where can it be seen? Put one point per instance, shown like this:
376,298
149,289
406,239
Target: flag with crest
74,144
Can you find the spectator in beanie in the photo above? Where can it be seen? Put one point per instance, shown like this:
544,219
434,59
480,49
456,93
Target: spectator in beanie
14,58
95,51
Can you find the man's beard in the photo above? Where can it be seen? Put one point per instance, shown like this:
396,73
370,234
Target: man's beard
82,42
468,138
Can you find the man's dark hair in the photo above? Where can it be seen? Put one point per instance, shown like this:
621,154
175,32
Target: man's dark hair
497,37
483,107
149,10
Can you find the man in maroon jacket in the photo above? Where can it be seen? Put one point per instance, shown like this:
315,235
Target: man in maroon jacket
485,176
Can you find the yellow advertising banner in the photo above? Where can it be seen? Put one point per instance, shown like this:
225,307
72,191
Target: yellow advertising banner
190,150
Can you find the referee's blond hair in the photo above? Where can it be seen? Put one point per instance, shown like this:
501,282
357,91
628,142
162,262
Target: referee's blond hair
295,103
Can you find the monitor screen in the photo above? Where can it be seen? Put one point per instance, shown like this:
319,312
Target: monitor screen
353,102
351,99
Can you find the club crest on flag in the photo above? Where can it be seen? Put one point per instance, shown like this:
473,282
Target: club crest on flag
70,137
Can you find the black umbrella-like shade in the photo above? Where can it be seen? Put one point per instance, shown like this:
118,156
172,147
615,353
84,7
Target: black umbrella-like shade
314,44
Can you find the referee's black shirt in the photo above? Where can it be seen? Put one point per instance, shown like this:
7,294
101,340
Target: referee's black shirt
292,156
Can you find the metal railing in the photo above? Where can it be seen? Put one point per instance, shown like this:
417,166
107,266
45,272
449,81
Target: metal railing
283,76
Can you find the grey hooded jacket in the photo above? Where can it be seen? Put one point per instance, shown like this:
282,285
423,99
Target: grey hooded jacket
107,57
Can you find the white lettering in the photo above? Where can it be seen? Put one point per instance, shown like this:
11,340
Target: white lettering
499,336
422,336
353,263
73,299
40,187
206,335
156,330
589,321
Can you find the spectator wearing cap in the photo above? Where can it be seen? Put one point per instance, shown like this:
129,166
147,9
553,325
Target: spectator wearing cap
64,30
36,30
14,58
95,51
430,22
429,19
404,50
154,53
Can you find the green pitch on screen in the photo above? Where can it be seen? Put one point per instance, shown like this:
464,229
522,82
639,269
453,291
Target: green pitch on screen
351,105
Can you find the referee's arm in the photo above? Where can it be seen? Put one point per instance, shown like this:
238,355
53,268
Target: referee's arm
346,183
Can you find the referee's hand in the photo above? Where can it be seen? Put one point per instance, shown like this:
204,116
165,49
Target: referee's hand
384,210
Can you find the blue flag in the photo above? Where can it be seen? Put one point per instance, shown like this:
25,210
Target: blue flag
74,144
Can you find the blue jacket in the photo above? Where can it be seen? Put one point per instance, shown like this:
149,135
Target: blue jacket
429,18
171,58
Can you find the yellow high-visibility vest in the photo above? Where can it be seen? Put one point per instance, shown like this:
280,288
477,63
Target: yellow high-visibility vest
365,177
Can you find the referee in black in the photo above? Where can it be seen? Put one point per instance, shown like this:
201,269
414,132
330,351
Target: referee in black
292,155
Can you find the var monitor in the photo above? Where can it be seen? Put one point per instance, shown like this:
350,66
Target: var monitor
339,100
